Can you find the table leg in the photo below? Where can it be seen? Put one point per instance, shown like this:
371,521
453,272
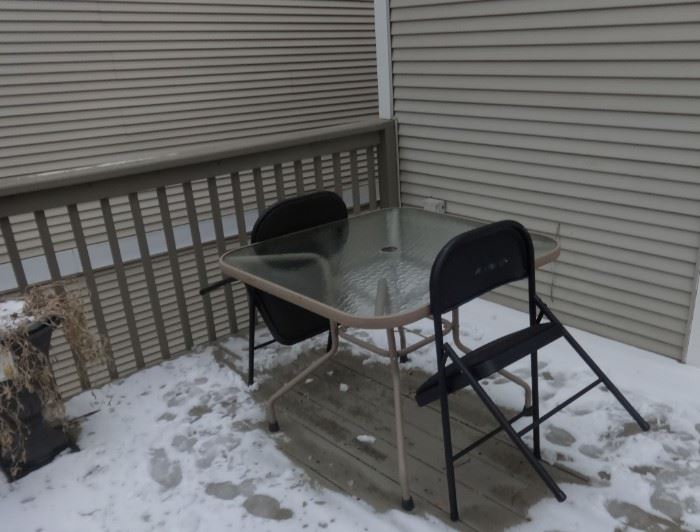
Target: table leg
406,499
270,405
402,343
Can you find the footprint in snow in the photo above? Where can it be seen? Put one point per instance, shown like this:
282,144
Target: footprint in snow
223,490
164,471
559,436
266,507
183,443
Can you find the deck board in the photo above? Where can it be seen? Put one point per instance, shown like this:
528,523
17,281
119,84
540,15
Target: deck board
372,409
470,420
319,429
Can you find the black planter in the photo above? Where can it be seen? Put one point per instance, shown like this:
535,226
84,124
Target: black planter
43,442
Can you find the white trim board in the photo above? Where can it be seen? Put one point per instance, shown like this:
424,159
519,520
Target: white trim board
382,35
692,356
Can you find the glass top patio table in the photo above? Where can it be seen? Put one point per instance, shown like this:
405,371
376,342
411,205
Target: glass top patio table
370,271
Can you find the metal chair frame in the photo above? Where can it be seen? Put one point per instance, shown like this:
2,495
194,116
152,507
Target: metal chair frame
537,311
297,208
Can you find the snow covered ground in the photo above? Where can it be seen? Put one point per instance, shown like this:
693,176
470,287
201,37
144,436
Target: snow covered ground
181,447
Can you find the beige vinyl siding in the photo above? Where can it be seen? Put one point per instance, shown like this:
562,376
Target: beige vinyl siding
580,119
93,82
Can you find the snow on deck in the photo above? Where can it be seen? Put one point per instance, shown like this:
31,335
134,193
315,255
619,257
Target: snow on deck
11,314
643,480
182,446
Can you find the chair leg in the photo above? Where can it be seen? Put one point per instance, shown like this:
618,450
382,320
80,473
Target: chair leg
519,443
535,406
447,433
449,457
594,367
251,340
608,383
402,343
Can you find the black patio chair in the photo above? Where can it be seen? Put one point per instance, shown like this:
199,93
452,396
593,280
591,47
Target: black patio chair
468,266
288,323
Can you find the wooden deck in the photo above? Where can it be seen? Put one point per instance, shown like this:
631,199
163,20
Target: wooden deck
320,424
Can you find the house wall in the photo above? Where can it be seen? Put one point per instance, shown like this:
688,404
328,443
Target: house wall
580,119
693,348
93,82
98,83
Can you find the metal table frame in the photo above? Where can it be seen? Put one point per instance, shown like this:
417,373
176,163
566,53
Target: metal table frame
395,356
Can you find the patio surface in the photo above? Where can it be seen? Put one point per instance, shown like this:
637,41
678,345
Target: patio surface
322,418
615,476
183,446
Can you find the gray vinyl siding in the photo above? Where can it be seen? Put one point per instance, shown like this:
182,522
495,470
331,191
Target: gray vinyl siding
97,82
580,119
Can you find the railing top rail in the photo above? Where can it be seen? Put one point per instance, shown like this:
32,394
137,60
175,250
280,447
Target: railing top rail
161,163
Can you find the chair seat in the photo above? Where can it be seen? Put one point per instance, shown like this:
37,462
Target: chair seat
490,358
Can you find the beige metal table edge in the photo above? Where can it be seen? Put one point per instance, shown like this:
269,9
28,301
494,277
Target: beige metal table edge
388,321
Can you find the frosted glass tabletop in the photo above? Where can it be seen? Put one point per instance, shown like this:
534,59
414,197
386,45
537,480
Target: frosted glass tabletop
369,271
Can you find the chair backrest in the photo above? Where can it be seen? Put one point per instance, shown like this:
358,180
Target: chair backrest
289,323
299,213
478,261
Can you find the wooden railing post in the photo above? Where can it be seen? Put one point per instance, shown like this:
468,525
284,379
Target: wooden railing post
13,253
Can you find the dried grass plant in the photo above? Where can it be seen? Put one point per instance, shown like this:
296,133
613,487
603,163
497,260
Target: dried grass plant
28,369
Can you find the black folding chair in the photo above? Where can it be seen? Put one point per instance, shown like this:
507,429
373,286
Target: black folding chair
470,265
288,323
